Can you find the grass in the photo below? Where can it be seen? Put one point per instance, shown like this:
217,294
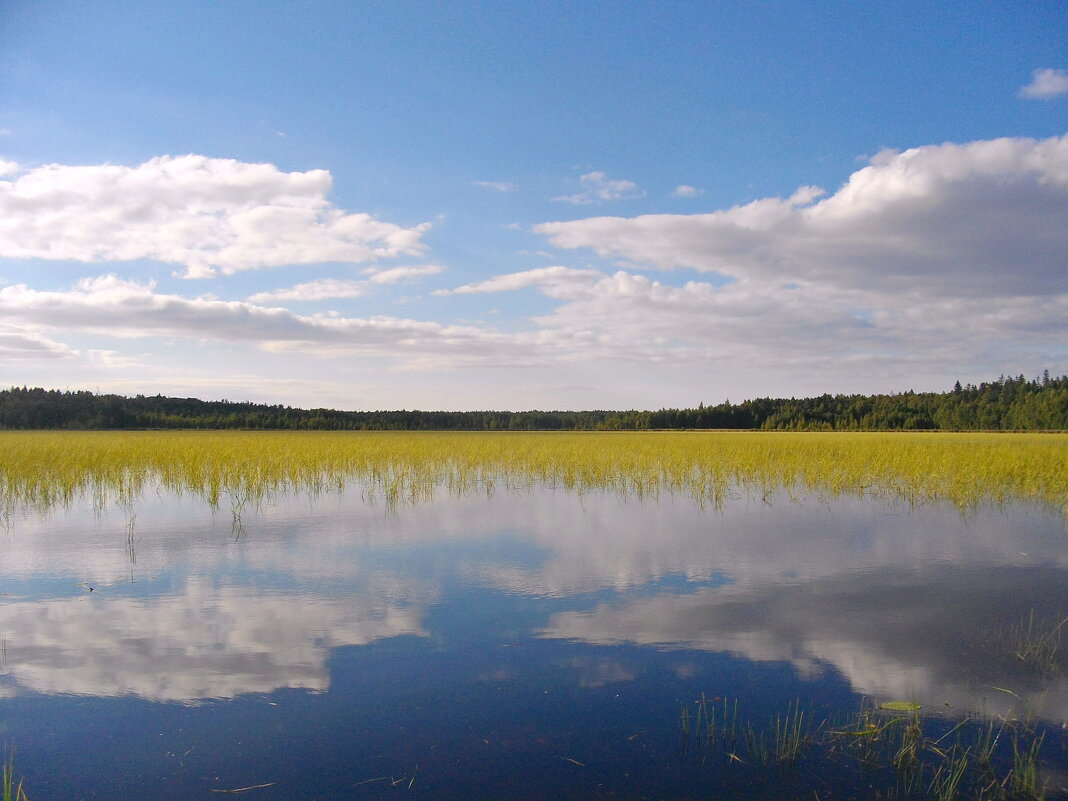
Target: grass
1038,645
238,470
901,755
9,791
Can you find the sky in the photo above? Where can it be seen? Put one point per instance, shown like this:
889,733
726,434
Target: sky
555,205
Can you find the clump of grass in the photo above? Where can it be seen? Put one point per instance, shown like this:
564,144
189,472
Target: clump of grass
9,791
895,754
948,776
1024,780
1038,646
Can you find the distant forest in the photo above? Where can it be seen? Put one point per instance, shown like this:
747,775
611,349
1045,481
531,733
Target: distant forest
1007,404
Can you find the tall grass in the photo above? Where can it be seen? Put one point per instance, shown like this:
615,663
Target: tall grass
41,469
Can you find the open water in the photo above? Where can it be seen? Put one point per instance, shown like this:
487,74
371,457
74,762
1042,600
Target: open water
539,645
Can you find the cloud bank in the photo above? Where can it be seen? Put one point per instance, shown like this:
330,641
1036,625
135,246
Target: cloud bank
964,220
204,215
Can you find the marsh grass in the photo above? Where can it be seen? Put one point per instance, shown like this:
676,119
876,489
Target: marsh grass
1038,644
9,791
900,755
243,470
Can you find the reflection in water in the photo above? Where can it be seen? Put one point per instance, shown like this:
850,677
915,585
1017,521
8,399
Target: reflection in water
207,642
946,637
427,618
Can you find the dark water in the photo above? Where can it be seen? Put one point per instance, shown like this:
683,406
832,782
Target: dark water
534,646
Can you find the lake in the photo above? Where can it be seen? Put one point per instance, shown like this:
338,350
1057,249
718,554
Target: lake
501,640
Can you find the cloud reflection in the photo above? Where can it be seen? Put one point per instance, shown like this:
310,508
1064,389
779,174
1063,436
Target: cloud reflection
205,642
945,636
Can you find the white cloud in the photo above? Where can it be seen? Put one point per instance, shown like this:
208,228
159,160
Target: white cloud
322,289
1046,83
331,288
497,186
396,275
112,306
962,220
205,215
19,344
682,190
540,277
622,318
8,167
599,187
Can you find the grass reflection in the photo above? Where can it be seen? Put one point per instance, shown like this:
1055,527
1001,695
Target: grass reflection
41,469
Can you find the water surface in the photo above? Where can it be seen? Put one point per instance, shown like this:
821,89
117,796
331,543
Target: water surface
534,644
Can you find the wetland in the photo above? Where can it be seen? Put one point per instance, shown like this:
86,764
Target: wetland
584,615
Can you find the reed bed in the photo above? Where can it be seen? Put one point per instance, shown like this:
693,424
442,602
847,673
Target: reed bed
45,469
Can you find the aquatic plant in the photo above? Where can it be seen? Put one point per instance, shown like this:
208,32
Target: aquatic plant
9,791
240,470
893,753
1038,645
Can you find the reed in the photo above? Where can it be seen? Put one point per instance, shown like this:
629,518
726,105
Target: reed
46,469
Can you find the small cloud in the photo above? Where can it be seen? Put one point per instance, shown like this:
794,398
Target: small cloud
542,276
1046,83
281,134
5,132
682,190
8,167
599,187
398,275
323,289
497,186
114,359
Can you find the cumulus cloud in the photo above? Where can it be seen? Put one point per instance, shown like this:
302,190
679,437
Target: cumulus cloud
1046,83
205,215
974,219
497,186
598,187
682,190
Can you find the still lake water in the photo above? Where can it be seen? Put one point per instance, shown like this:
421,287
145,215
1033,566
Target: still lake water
531,645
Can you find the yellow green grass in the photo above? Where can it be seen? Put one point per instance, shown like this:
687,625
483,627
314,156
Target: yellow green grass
44,469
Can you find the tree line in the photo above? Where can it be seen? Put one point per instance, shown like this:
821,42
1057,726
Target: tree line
1007,404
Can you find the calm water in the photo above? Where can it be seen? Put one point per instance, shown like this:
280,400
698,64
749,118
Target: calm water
536,645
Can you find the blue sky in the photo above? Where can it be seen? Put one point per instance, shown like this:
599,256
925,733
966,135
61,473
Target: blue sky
516,205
